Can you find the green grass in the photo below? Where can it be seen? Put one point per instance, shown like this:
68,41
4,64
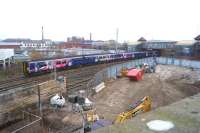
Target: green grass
178,119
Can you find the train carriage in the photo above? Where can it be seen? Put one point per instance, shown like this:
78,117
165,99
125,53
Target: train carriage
61,63
42,66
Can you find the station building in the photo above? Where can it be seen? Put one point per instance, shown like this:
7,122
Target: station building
168,48
30,44
184,48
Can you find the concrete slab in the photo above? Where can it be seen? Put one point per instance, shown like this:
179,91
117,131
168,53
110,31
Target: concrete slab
184,114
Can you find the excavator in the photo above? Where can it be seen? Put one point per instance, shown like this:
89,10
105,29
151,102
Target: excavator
143,105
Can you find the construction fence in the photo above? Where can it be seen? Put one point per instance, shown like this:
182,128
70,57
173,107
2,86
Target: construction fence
13,105
179,62
113,71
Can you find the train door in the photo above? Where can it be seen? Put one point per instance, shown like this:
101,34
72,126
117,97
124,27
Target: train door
63,63
50,64
96,58
58,63
147,54
70,62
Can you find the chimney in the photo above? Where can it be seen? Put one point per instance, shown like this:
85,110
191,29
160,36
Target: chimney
42,34
90,36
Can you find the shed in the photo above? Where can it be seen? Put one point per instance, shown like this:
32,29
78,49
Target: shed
6,56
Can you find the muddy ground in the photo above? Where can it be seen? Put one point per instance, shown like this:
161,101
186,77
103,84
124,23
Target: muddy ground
167,85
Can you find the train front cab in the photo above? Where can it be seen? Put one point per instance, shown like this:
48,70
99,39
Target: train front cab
25,69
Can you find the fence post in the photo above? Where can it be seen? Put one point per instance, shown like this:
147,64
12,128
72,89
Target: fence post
116,72
39,100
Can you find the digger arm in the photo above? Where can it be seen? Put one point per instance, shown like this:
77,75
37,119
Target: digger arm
145,106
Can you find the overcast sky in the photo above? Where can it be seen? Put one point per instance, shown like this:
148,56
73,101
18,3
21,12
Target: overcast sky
152,19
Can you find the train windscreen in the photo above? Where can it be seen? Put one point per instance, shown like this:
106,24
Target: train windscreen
32,66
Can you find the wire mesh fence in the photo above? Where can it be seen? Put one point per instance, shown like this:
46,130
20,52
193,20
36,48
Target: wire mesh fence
31,123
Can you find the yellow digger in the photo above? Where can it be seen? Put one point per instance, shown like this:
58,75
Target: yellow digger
143,105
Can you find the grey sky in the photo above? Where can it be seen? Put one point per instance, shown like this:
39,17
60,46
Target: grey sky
153,19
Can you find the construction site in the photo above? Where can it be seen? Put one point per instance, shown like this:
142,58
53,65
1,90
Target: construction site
110,100
99,66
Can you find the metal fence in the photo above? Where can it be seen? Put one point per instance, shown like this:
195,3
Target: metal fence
179,62
113,71
32,123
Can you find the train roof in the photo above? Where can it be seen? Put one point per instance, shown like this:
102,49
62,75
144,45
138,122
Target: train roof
67,57
79,56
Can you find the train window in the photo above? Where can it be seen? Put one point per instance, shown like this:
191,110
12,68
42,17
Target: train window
41,64
64,62
58,62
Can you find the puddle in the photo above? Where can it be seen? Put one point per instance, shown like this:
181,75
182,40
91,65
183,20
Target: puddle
160,125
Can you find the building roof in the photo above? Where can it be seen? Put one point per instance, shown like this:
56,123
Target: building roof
134,43
20,40
9,44
161,41
16,39
185,42
142,39
197,38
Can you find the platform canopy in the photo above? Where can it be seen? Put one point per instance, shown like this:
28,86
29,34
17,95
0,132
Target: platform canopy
6,53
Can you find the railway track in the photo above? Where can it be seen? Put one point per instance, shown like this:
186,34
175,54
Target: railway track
72,75
76,86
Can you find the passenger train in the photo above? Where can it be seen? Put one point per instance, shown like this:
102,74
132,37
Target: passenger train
35,67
